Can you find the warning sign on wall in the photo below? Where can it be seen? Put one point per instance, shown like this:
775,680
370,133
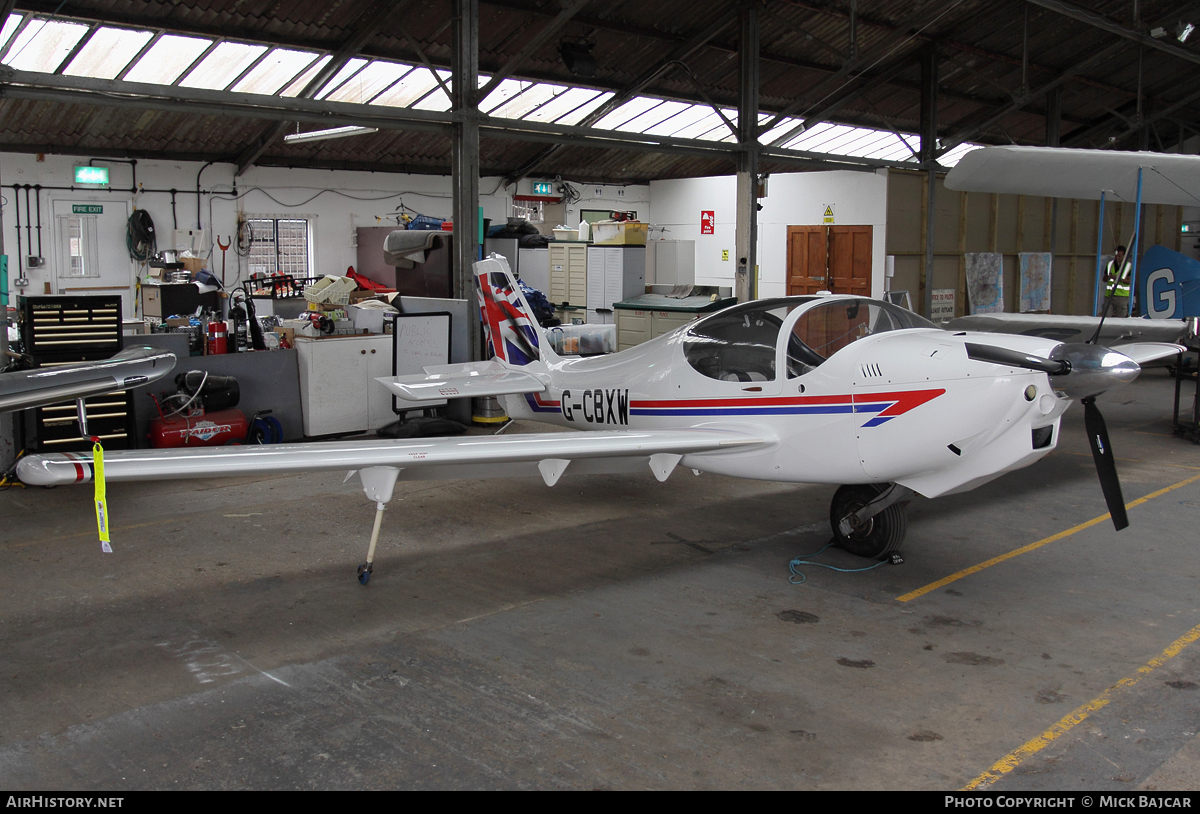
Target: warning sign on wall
943,304
708,222
827,216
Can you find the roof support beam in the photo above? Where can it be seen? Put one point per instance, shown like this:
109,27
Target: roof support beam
928,154
968,132
140,96
369,24
678,54
1104,24
547,31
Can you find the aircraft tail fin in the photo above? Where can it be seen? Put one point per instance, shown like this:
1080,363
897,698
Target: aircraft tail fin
513,332
1168,284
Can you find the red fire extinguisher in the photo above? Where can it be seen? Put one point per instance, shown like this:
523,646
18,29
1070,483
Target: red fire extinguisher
217,338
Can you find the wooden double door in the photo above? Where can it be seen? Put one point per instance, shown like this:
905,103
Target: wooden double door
829,258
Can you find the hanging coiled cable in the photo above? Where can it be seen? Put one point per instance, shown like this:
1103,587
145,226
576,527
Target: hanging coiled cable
140,237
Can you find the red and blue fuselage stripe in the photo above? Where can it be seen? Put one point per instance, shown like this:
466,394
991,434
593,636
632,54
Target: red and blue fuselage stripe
887,405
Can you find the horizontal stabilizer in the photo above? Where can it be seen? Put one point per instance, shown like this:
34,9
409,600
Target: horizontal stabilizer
463,381
423,458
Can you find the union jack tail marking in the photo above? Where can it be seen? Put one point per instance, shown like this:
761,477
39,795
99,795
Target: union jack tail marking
513,334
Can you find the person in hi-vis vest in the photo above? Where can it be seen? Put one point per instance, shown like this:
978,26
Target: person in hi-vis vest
1117,290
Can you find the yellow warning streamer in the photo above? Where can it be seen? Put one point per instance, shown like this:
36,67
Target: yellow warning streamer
101,504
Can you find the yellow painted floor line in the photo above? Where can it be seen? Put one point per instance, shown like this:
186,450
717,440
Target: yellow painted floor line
974,569
1015,758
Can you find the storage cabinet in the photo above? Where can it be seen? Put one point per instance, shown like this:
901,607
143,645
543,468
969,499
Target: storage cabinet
338,391
171,299
671,262
568,273
613,274
637,326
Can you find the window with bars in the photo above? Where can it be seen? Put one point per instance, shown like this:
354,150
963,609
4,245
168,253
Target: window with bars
280,245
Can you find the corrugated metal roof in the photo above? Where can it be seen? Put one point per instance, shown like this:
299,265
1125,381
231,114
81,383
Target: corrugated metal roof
808,63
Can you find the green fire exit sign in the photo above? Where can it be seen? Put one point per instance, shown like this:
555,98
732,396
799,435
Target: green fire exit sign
91,175
87,209
543,188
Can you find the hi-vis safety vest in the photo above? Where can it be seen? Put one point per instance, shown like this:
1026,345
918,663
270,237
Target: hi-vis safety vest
1121,289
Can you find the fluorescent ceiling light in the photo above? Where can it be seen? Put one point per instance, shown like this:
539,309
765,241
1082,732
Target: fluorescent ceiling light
1183,31
324,135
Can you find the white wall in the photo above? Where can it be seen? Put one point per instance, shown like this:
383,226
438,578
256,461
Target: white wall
343,201
793,199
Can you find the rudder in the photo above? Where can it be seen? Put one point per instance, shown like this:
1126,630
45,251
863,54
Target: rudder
512,331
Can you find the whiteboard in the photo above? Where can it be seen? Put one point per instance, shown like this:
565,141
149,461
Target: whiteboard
418,341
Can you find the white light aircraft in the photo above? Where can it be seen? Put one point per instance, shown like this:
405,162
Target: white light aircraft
832,389
134,366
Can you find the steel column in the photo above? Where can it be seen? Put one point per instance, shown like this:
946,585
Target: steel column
465,159
746,230
929,150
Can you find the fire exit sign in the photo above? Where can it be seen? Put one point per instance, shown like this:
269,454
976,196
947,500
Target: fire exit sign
87,209
91,175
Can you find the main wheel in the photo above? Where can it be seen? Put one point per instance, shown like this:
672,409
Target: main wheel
880,535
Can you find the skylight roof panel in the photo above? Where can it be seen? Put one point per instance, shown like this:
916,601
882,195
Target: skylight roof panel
414,86
892,150
436,99
563,104
630,110
955,155
167,59
586,109
653,116
722,133
301,82
10,25
369,82
683,118
814,137
107,52
348,70
706,123
521,105
42,46
280,66
223,65
778,130
853,142
506,90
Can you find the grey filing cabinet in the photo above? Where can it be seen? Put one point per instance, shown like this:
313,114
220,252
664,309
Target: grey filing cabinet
644,317
614,273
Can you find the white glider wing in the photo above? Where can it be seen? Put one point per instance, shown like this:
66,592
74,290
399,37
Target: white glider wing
467,380
544,454
1146,352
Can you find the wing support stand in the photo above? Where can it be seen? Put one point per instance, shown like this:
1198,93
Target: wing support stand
379,483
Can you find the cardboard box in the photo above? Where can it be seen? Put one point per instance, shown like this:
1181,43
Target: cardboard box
193,264
620,234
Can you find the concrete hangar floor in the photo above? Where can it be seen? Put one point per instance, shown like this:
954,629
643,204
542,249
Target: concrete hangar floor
611,632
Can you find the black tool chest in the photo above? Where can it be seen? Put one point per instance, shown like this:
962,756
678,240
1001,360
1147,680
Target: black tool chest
60,330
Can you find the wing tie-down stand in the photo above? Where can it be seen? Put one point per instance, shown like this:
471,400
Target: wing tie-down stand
379,485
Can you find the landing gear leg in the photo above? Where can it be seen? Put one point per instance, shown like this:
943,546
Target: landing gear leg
378,483
869,520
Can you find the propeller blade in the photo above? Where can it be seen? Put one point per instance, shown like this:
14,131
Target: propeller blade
1013,358
1106,463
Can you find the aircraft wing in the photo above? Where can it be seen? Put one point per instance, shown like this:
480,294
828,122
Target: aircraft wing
467,380
132,367
544,454
1146,352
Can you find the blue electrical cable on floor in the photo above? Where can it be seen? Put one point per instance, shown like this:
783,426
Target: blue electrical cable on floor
802,561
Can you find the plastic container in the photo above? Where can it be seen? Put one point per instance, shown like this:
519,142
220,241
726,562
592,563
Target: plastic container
330,289
426,223
620,234
583,340
566,234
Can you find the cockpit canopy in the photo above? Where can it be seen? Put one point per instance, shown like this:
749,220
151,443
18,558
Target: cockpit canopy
739,344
